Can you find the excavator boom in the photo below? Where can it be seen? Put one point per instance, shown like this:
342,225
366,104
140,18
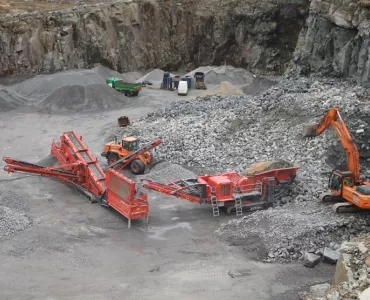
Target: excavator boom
333,118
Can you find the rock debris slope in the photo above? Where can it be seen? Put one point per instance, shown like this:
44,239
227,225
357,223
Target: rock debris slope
223,132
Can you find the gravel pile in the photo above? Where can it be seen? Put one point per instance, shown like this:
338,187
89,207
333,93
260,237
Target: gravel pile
11,221
10,100
155,76
43,85
233,132
216,75
224,88
167,172
301,226
77,98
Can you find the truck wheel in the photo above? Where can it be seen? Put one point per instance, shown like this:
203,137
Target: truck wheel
112,158
125,93
137,167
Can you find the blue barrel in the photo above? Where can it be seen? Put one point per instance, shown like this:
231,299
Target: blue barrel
166,76
176,80
169,83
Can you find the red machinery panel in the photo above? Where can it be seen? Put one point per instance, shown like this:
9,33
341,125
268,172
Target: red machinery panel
121,196
79,167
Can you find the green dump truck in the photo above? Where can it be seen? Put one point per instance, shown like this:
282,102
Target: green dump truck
129,89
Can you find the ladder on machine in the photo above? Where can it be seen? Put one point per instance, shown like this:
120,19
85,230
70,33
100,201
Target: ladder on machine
238,205
214,202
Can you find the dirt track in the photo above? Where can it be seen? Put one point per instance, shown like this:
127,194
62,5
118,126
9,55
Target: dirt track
78,250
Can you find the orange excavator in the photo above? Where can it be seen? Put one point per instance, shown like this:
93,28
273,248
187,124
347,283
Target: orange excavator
351,193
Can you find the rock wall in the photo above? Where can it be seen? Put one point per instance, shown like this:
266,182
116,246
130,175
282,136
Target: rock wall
335,40
258,35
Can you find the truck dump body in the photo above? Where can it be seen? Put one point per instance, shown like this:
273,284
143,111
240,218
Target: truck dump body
129,89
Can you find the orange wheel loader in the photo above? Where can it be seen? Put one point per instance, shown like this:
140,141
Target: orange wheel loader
346,187
115,150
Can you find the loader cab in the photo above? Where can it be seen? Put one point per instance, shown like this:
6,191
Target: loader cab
130,143
338,179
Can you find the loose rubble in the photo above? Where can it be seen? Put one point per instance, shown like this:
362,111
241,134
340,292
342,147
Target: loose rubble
352,276
12,212
12,221
223,132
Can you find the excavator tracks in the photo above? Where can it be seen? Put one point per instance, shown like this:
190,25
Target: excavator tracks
346,207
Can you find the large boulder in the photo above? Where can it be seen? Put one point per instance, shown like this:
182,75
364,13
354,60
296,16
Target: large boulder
310,260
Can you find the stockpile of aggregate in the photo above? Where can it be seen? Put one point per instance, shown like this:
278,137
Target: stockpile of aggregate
10,100
77,98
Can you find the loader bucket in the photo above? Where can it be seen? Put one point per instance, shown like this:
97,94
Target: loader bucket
309,130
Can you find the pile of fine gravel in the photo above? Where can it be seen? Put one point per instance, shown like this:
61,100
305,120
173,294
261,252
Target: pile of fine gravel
10,100
44,85
77,98
69,91
155,76
166,172
224,88
217,75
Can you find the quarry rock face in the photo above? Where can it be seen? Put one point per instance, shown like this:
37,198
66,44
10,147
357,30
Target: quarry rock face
258,35
335,40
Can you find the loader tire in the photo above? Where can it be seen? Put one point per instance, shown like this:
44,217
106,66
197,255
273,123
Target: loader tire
112,158
137,167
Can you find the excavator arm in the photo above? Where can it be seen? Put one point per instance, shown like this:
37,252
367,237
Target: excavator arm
333,118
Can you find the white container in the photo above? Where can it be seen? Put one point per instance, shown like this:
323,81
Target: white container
183,88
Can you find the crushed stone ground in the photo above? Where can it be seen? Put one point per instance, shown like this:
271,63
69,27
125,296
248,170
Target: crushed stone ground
225,132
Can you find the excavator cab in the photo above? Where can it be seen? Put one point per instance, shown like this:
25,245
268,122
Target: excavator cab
130,143
340,178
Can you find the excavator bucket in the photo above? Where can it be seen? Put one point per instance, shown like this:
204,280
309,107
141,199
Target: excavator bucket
309,130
